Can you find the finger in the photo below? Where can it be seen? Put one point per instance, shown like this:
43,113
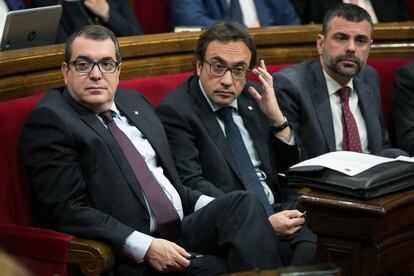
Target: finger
182,256
262,64
294,213
266,76
182,262
256,95
296,222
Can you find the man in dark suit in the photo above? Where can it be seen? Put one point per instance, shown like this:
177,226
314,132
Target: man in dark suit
203,148
404,107
85,182
309,92
205,13
313,11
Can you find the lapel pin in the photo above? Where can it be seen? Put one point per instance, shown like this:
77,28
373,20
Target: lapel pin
136,112
250,107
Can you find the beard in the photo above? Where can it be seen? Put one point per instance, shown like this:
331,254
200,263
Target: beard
346,70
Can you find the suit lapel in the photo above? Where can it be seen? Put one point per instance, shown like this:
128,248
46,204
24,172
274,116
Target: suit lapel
209,119
249,112
322,105
93,122
365,103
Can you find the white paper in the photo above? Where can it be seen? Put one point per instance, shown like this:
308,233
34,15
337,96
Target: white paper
348,162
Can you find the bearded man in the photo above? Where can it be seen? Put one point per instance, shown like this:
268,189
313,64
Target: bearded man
333,102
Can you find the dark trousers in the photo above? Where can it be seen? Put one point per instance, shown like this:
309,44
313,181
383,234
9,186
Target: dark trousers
232,233
234,228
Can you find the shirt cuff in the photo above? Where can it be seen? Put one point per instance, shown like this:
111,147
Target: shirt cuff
136,246
291,142
202,201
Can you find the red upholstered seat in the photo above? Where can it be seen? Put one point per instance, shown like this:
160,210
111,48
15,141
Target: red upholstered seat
155,88
42,251
386,70
153,15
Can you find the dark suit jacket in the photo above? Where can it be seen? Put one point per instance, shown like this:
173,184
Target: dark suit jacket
313,11
14,5
208,12
303,97
122,20
201,154
404,107
81,182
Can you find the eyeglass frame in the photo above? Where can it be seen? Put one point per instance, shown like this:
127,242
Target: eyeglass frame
228,68
94,63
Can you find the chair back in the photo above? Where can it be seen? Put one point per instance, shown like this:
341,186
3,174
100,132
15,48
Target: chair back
14,188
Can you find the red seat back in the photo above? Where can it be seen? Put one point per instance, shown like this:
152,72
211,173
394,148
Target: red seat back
154,15
386,70
14,202
155,88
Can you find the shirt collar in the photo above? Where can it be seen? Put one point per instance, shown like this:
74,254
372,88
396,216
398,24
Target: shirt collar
213,106
333,86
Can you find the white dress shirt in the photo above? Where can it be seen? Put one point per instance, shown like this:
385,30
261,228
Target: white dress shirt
3,14
137,244
336,109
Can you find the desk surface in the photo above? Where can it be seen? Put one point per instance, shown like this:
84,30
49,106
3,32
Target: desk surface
379,206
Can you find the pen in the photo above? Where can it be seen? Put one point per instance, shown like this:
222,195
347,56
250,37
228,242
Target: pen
195,257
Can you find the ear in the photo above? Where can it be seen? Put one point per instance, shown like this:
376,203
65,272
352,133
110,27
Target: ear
320,42
65,71
199,66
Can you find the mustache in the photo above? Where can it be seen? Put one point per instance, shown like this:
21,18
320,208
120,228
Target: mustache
349,57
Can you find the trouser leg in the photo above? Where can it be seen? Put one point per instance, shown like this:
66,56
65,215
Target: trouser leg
236,228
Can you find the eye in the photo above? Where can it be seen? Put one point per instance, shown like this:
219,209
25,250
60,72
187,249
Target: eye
239,70
219,66
107,65
83,64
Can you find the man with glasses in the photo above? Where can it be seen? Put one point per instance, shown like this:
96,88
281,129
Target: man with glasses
226,136
100,167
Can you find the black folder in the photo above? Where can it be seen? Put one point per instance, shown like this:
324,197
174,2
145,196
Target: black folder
379,180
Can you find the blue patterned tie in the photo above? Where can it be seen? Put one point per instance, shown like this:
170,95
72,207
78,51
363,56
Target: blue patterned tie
247,171
169,224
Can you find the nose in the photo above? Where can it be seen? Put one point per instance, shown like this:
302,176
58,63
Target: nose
95,73
351,46
227,79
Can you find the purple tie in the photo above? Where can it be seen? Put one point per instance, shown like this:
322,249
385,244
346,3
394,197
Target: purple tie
166,215
351,141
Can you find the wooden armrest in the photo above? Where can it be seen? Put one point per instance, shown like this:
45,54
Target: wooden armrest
91,256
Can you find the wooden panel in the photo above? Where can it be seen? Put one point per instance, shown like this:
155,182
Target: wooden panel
363,237
29,71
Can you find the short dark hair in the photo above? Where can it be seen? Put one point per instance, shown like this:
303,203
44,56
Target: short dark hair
350,12
225,32
94,32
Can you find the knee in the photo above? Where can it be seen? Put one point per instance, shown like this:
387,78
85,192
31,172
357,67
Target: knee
244,199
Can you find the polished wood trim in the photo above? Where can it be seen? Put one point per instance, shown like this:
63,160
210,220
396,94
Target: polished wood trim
91,256
30,71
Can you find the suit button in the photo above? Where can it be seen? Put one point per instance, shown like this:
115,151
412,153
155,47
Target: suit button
145,221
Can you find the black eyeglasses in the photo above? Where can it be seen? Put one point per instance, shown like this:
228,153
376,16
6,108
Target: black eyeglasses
218,69
84,66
